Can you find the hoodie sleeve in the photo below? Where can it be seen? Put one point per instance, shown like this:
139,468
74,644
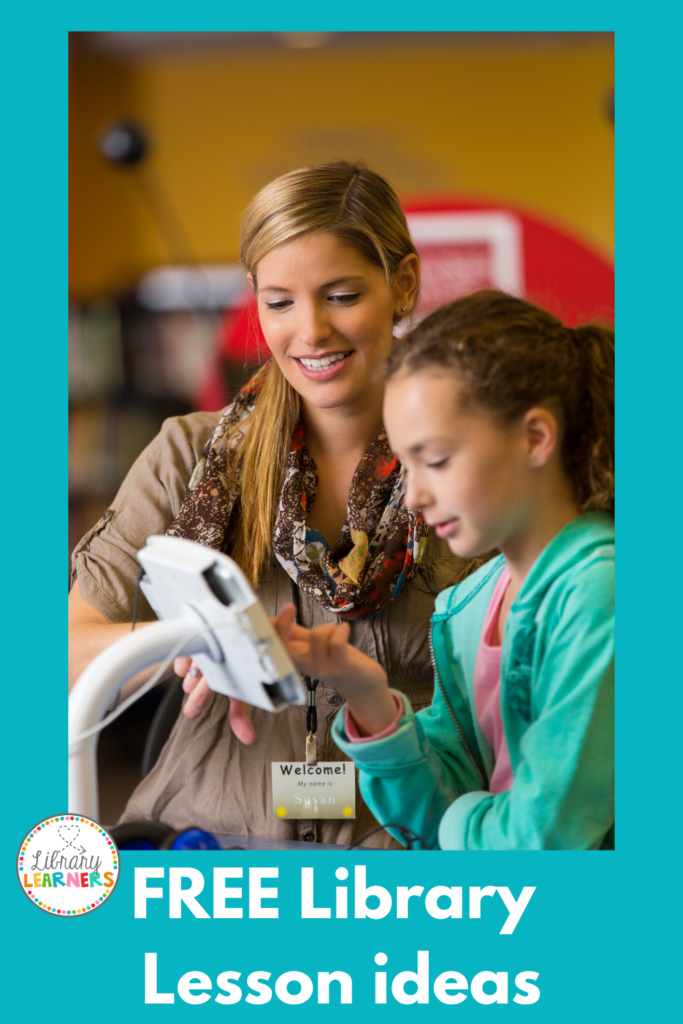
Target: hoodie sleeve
562,795
412,776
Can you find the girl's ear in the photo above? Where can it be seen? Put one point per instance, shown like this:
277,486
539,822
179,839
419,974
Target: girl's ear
406,284
541,435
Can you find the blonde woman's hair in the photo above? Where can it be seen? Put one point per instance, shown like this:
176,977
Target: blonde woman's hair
358,206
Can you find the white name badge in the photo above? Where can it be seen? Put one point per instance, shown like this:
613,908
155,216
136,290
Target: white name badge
325,790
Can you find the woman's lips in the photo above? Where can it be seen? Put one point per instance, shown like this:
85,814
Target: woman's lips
444,530
325,372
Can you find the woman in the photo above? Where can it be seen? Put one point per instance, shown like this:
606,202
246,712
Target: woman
296,481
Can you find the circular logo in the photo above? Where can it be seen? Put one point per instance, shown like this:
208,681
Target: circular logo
68,865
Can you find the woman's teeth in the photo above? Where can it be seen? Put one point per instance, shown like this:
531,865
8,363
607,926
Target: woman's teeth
318,364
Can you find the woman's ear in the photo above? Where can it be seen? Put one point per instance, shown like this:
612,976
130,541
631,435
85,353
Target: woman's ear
541,434
406,284
250,279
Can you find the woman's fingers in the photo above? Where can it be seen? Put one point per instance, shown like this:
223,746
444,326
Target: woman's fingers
181,666
240,722
200,693
192,675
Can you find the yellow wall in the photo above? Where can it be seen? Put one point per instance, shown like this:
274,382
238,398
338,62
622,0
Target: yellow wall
525,125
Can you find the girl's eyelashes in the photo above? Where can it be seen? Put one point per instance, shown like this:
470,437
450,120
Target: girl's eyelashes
437,465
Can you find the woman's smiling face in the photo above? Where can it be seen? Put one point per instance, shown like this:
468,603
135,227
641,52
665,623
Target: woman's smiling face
327,314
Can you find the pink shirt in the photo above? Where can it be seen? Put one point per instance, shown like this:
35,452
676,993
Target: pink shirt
487,691
486,697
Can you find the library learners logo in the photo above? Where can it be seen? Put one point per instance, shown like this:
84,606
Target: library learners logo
68,865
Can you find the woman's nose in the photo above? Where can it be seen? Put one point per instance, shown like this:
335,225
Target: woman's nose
314,325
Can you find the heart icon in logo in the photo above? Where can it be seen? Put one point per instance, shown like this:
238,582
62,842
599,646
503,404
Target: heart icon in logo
68,833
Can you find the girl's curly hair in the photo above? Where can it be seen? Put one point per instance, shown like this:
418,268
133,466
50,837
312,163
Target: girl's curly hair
510,355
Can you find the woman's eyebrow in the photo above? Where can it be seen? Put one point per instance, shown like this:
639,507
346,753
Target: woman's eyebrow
342,280
328,284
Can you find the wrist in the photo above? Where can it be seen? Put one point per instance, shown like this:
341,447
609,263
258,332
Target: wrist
373,712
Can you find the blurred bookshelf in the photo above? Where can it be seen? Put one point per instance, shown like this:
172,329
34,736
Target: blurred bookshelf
163,349
128,370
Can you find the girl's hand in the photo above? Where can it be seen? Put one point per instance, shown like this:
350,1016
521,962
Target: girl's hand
201,695
324,652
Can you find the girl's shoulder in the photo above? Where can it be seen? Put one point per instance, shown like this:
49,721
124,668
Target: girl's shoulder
578,562
472,594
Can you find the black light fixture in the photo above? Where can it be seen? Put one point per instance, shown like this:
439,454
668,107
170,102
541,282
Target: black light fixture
124,142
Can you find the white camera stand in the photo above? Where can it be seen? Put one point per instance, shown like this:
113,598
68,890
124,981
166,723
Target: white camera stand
206,610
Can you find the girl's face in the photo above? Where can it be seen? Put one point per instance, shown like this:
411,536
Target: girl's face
470,476
327,315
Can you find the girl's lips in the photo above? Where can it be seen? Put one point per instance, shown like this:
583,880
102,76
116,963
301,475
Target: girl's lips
325,372
444,530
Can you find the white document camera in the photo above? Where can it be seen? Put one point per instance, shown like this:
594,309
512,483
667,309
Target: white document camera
206,610
240,655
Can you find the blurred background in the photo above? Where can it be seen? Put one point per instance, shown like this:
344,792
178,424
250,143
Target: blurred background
501,146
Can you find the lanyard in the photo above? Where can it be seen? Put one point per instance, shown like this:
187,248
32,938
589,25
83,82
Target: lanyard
311,686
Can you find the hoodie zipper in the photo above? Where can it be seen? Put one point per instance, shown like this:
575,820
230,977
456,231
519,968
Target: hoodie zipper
473,758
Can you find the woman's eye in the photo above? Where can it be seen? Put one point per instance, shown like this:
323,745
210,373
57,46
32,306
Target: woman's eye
279,305
437,465
345,299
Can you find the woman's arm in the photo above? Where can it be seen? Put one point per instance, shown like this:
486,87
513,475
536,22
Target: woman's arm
105,565
90,632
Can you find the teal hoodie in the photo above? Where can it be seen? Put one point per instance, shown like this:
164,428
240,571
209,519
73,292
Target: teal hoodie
557,706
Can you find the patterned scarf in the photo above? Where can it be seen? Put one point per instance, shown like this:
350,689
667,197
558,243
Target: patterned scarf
380,543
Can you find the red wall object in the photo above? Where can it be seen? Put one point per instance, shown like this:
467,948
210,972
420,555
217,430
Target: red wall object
562,273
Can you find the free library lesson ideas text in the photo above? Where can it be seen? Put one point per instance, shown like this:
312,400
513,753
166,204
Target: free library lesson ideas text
233,893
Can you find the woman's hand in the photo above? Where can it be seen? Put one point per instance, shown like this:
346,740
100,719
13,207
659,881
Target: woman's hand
324,652
90,632
201,694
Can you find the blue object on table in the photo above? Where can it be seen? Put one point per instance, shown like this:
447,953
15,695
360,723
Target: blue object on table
195,839
137,844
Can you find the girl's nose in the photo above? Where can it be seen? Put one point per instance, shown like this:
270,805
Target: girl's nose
416,496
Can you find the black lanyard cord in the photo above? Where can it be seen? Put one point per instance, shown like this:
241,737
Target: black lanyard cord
311,684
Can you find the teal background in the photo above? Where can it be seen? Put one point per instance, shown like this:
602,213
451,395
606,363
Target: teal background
601,929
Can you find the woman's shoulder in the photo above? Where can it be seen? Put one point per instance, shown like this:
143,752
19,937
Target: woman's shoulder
194,430
176,449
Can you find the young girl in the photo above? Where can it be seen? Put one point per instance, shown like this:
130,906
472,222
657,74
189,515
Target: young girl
503,420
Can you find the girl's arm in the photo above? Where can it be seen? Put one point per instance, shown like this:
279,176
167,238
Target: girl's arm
405,778
563,792
324,652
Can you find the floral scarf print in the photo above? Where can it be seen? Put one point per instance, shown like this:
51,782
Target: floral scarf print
380,543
